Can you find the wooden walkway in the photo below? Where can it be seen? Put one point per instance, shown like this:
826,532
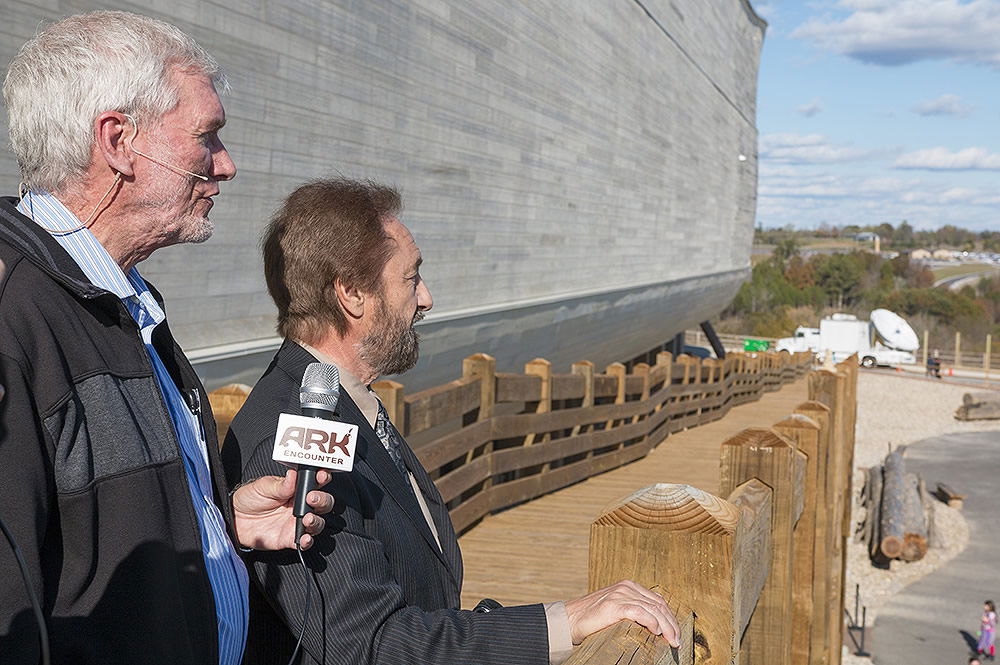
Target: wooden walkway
537,552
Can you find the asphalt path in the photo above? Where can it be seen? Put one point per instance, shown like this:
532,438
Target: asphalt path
934,620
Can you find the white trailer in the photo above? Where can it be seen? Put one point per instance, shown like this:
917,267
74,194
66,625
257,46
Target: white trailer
885,340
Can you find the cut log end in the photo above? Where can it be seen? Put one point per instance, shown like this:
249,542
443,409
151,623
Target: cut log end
892,547
914,547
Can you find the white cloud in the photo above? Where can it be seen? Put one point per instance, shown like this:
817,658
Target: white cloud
810,109
943,105
942,159
807,149
805,197
898,32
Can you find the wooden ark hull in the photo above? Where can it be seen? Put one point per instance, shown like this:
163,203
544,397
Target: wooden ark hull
580,176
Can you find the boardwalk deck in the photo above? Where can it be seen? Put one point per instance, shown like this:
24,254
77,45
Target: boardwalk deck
537,552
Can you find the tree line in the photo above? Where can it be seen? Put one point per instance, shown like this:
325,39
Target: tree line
787,290
899,237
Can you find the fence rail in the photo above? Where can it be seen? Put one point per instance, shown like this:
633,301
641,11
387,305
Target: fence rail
492,440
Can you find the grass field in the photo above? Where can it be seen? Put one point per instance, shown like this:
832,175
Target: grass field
944,272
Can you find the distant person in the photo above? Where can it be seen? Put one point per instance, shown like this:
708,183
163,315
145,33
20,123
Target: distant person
987,630
345,275
934,364
975,661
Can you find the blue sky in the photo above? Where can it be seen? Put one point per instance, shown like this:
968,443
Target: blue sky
874,111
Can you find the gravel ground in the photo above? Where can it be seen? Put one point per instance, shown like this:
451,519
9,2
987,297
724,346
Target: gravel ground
897,410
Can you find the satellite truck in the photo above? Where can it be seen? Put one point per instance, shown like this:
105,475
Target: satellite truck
887,339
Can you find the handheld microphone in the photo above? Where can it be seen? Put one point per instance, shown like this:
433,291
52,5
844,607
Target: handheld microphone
314,440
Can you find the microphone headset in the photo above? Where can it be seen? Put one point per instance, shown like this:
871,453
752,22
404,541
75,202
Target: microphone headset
118,177
175,169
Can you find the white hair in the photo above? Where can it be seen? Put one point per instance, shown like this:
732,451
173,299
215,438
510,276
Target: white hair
77,68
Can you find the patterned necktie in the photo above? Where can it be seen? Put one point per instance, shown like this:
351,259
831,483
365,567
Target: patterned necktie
393,443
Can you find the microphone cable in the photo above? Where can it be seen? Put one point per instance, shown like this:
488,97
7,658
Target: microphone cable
305,613
43,632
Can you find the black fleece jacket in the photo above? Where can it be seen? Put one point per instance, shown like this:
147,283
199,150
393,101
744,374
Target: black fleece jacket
94,488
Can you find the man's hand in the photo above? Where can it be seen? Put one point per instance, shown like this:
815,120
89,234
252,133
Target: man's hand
624,600
262,512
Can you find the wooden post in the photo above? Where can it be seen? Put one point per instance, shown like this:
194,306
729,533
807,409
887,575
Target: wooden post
664,358
665,367
824,535
927,335
713,376
617,370
641,370
710,553
829,387
390,393
585,368
541,368
485,367
761,453
226,402
804,432
958,348
986,357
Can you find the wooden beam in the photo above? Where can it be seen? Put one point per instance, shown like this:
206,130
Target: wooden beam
584,369
390,393
829,387
764,454
804,432
484,367
705,550
819,642
617,371
541,368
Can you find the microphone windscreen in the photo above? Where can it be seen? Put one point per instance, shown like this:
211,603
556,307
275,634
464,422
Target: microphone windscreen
320,386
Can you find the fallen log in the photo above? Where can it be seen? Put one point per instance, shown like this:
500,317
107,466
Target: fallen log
975,399
891,521
979,406
949,496
874,530
928,504
914,524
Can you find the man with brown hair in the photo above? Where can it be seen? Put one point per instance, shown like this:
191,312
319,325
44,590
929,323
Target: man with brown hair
344,273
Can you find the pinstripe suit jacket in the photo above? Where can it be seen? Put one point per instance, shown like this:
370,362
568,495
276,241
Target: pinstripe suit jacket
384,593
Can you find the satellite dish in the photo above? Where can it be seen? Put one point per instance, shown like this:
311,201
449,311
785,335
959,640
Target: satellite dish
894,331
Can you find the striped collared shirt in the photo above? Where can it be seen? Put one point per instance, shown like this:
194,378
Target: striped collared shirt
226,572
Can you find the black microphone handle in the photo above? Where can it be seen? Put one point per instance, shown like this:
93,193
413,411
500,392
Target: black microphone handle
306,480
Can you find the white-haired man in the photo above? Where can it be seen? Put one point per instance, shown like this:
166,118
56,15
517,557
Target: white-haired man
114,491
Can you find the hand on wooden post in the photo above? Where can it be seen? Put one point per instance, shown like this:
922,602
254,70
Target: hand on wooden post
623,600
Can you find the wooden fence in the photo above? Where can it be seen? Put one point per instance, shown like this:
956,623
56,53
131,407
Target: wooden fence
755,577
492,440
